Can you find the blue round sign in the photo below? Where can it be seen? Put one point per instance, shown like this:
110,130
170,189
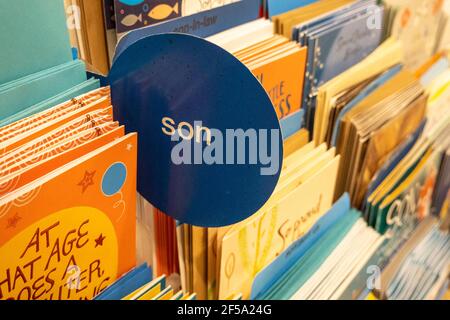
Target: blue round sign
210,145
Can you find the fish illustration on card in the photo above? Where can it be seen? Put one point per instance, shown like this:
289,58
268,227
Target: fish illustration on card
163,11
135,14
131,19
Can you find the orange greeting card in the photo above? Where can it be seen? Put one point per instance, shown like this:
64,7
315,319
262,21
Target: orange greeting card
53,147
34,167
71,233
264,50
54,137
63,116
282,77
85,115
55,112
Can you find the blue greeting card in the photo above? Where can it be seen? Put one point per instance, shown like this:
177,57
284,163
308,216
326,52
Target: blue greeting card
34,37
